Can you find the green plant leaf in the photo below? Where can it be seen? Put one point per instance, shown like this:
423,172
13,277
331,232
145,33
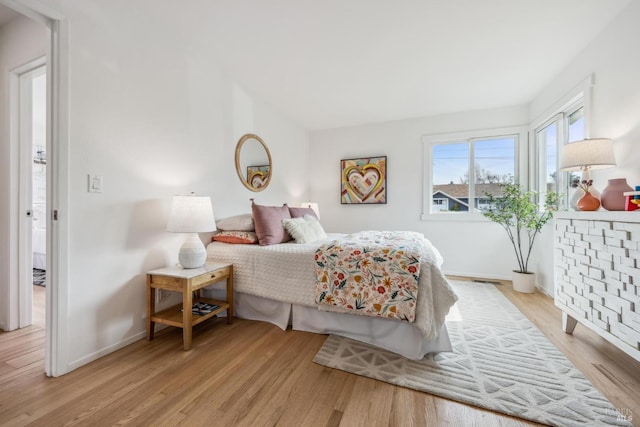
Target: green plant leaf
517,212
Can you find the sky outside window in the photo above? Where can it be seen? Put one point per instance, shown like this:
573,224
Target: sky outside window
494,156
495,160
576,125
550,134
450,163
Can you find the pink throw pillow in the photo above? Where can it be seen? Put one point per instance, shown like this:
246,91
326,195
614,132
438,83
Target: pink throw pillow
268,223
301,212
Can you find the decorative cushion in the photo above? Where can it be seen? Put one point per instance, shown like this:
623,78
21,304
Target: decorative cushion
268,222
300,212
242,222
304,230
236,237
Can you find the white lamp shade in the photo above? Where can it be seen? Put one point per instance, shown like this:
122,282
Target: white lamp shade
313,206
191,214
594,153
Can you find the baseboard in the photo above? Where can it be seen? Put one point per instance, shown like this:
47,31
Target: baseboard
478,276
544,290
103,352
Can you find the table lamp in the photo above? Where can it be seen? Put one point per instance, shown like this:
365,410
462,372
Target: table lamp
191,214
587,154
313,206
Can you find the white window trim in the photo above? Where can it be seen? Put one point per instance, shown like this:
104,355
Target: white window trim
521,167
580,96
583,91
537,179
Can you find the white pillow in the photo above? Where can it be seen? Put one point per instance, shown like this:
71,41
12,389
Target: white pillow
242,222
304,230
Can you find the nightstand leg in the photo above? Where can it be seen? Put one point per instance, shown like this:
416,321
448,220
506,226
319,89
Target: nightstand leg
187,303
230,296
151,308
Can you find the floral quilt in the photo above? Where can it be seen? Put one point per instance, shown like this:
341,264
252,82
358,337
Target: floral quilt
375,273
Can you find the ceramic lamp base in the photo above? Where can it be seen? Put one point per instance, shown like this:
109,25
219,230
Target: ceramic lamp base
192,252
573,201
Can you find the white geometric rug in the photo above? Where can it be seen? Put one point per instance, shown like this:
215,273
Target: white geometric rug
500,361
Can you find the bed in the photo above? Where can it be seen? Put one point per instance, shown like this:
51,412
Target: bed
276,284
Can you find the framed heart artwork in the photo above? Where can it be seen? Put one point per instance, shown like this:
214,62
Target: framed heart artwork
364,181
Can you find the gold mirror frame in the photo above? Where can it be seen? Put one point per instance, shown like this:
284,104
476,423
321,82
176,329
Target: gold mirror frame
241,173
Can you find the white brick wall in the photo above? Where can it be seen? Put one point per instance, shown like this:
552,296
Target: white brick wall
597,273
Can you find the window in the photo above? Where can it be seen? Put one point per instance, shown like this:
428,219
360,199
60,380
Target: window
440,204
484,204
461,169
576,125
566,122
547,141
564,127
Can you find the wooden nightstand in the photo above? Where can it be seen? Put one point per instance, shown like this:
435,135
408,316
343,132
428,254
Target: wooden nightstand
189,282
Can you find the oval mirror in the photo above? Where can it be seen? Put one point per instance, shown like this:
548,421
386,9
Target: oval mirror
253,162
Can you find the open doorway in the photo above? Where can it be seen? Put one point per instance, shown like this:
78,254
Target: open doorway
36,81
32,138
34,31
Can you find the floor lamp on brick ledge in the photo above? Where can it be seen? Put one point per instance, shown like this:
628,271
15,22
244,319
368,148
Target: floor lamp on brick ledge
191,214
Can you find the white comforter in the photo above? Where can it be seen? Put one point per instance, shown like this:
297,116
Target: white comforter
285,272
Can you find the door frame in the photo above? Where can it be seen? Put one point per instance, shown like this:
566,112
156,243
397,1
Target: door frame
21,94
57,290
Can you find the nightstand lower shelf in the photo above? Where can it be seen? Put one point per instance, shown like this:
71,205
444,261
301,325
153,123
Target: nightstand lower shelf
173,315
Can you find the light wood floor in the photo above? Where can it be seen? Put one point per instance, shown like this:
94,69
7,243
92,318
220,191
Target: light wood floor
39,303
254,374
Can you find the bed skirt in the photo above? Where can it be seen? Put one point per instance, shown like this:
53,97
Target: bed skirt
399,337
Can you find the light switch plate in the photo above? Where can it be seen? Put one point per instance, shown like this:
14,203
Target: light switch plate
95,184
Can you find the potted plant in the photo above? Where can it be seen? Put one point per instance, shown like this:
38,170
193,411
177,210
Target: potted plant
518,213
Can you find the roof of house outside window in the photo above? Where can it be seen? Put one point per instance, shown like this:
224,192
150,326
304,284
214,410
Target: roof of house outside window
462,190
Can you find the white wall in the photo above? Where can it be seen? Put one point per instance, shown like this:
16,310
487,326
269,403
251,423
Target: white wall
154,117
475,248
613,59
21,41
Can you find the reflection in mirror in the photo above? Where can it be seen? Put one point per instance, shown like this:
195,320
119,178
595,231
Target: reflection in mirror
253,162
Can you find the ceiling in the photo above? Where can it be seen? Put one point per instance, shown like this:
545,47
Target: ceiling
336,63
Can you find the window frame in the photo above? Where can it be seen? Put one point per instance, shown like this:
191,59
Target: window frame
428,141
579,97
538,160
